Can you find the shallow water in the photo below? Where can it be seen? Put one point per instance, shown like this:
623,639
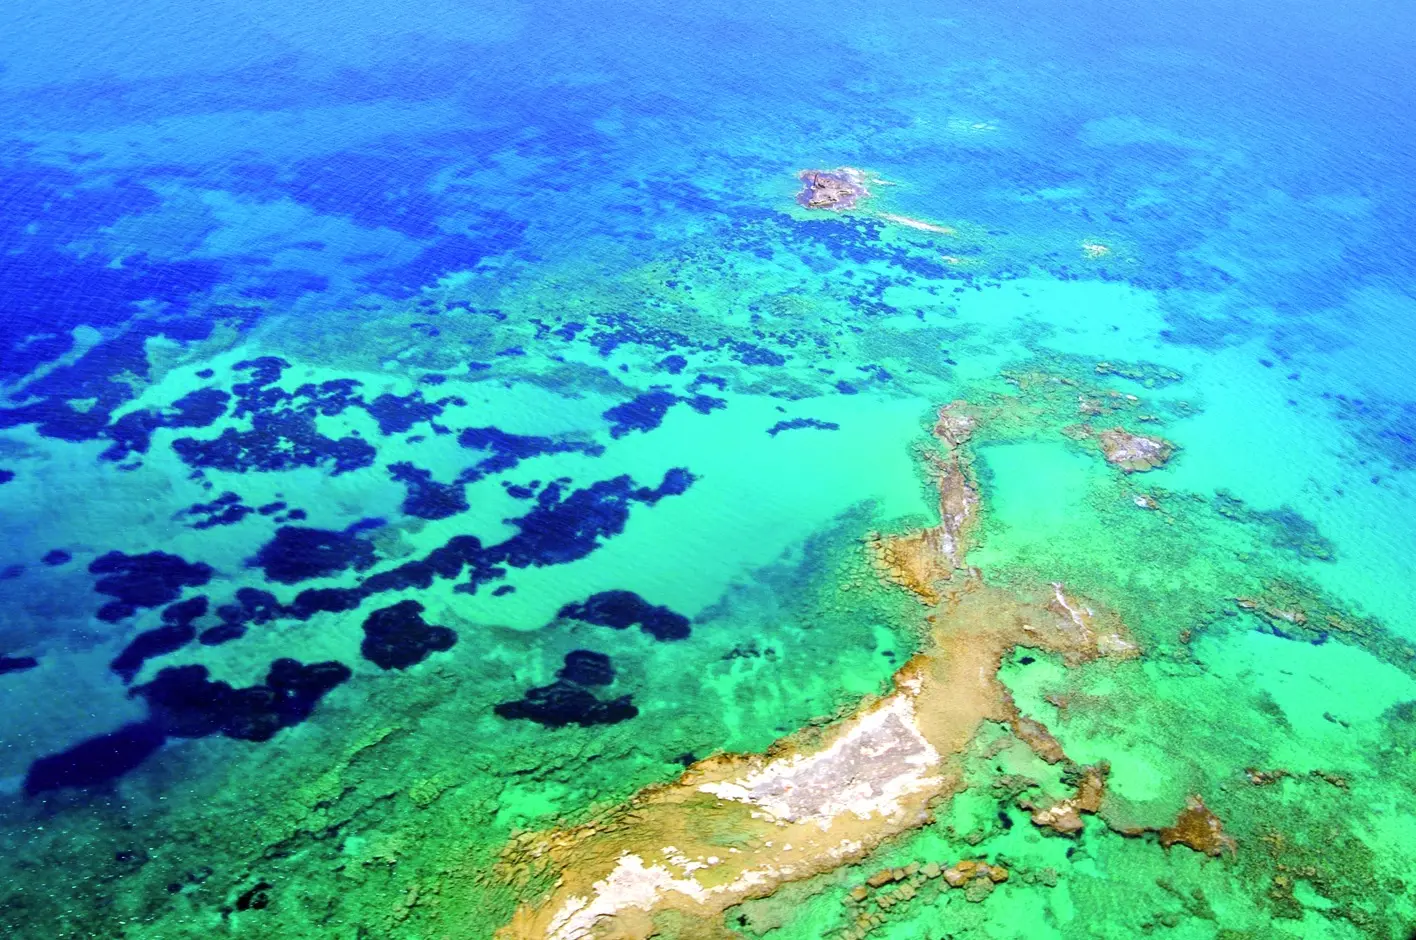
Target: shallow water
310,313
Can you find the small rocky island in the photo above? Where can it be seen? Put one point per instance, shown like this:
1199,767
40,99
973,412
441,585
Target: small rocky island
832,189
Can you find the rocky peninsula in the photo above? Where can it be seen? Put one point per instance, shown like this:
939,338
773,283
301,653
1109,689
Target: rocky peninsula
738,826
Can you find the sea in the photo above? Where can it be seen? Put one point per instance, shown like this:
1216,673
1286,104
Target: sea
429,427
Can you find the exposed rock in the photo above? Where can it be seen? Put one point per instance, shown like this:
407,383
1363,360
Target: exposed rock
1065,816
832,189
956,423
1200,829
1134,452
973,875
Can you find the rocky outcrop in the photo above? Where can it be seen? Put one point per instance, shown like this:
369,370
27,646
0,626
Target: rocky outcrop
1134,452
1200,829
869,905
955,424
836,189
1065,816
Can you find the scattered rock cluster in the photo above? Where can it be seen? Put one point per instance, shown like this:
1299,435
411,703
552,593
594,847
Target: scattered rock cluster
868,904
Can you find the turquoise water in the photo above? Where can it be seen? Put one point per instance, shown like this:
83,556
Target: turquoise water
312,316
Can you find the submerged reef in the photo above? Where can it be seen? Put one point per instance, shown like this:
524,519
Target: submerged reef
838,189
17,663
568,700
299,554
148,580
176,631
565,702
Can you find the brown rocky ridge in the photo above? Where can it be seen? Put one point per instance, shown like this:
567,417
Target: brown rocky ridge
920,561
